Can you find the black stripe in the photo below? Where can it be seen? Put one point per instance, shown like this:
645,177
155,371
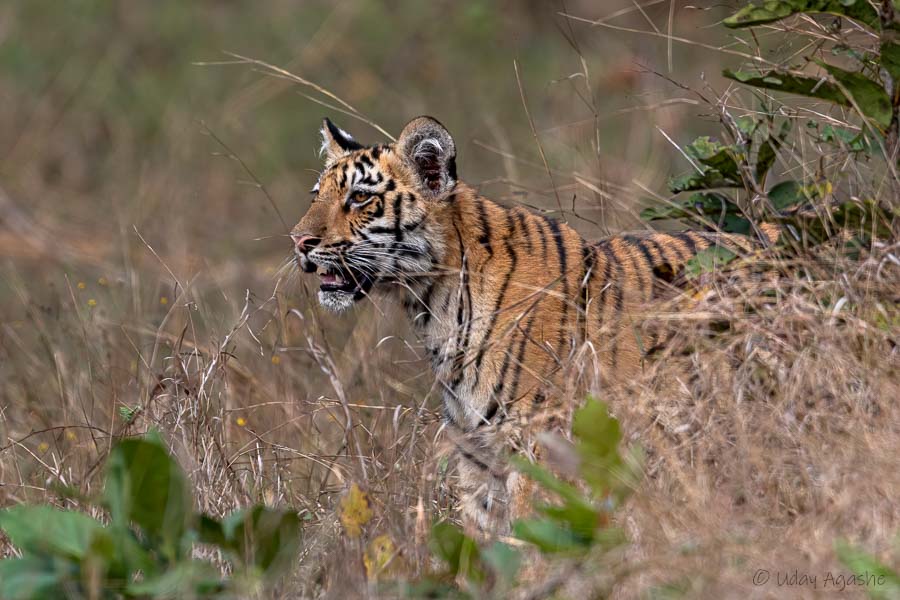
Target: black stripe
426,302
459,355
589,260
563,267
526,337
398,205
663,257
489,414
645,274
616,286
485,239
513,259
379,207
541,226
526,233
471,458
688,241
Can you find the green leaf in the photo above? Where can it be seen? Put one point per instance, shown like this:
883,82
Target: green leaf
598,436
187,579
854,141
458,550
581,520
735,224
765,158
709,204
787,194
549,481
549,536
708,260
872,100
36,578
775,10
718,167
890,60
46,530
596,431
504,560
263,538
881,581
146,486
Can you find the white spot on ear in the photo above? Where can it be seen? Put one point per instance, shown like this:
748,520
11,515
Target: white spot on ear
428,147
323,149
345,135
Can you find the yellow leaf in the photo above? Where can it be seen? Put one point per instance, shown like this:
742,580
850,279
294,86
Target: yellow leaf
379,555
355,511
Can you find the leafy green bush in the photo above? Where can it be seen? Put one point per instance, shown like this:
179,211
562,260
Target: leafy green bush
145,550
729,185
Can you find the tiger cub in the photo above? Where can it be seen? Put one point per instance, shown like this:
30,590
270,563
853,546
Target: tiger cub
500,297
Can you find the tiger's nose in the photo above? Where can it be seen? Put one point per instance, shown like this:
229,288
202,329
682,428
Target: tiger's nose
305,243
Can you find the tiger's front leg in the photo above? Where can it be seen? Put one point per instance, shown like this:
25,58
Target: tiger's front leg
484,497
490,502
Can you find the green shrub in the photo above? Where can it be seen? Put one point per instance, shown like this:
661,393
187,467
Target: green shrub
146,549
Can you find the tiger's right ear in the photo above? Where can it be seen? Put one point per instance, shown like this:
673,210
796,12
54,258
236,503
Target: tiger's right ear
429,151
336,142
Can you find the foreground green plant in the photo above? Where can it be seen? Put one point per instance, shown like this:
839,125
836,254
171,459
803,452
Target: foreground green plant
575,529
145,550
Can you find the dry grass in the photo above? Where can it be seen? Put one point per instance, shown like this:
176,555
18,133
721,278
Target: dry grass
765,442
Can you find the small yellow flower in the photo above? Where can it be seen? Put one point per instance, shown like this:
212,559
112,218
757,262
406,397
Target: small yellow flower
70,435
241,421
103,281
81,285
355,511
276,360
91,302
43,447
163,300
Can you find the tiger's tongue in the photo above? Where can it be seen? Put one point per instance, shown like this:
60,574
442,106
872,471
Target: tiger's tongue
332,279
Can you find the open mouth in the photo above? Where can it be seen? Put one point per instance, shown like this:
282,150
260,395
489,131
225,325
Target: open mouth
347,281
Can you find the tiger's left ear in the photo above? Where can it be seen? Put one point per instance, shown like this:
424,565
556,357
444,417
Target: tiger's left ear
336,142
429,151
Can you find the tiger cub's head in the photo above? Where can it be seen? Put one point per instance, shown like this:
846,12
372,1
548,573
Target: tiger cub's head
373,221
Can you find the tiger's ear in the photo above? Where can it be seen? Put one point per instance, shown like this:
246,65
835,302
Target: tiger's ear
336,142
428,150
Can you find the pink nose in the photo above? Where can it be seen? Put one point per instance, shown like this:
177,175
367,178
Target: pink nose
305,242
